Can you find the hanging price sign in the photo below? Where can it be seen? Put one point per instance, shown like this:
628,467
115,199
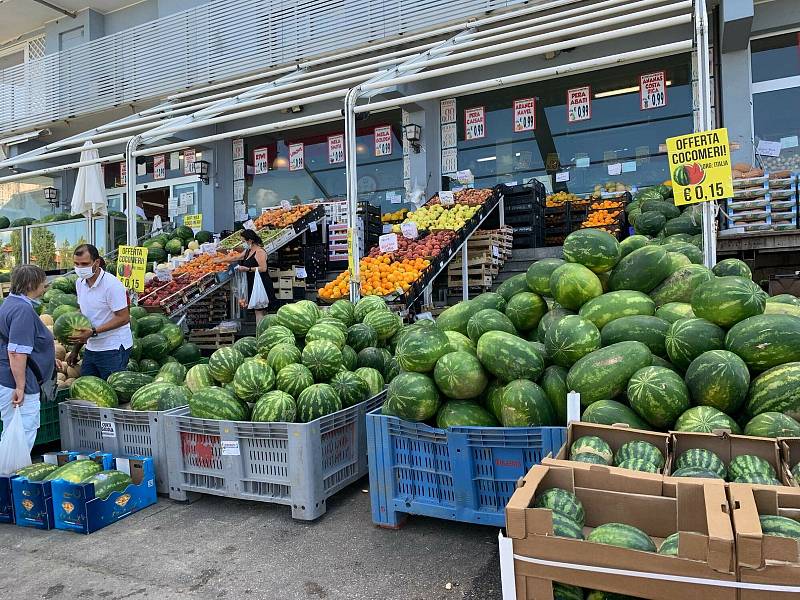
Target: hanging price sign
409,230
335,149
238,148
653,90
524,115
131,265
297,160
260,161
579,104
387,242
286,205
700,165
159,166
189,156
447,110
383,141
475,123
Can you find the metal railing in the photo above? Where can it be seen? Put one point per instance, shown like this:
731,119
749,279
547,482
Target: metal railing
207,44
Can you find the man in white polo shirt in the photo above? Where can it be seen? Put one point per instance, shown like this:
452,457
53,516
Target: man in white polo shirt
104,301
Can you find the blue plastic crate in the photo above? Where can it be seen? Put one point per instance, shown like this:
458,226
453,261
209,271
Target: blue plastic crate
460,474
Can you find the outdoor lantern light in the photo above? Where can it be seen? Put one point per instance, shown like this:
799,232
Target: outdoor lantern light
201,170
51,195
413,135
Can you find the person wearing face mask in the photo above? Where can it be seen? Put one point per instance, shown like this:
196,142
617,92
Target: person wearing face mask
27,351
253,260
104,301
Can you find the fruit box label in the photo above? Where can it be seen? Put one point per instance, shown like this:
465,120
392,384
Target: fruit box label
700,166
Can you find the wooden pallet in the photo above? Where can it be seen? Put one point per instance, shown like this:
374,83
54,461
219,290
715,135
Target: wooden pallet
484,258
473,280
212,339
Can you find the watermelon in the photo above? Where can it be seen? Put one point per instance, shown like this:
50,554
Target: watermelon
680,285
772,424
223,364
384,322
623,536
160,396
149,366
524,310
765,341
461,343
155,346
642,270
658,395
728,300
570,339
344,310
455,318
460,375
732,267
784,299
585,457
748,463
150,324
524,404
351,388
138,312
68,325
695,472
198,377
203,236
538,275
419,350
70,299
187,353
611,412
63,284
669,546
686,223
775,390
780,526
604,373
668,209
638,464
592,248
488,319
328,332
218,404
274,407
174,247
298,317
173,372
562,502
672,311
36,471
366,305
591,444
463,413
316,401
631,243
554,384
508,357
248,346
573,285
265,323
95,390
63,309
700,458
779,308
281,355
412,396
720,379
757,479
705,419
651,331
687,339
375,358
349,358
360,336
74,471
253,379
323,359
639,449
136,349
125,383
548,320
649,223
513,286
373,379
563,526
614,305
293,379
184,233
683,253
340,325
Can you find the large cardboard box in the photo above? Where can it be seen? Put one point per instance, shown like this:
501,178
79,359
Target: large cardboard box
698,509
790,456
765,560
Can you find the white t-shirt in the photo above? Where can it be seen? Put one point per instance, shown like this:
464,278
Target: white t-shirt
98,303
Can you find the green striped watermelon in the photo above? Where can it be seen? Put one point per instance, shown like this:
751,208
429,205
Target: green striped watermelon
384,322
639,449
780,526
673,311
461,343
150,324
298,317
344,310
611,412
508,357
125,383
562,502
614,305
174,336
705,419
368,304
775,390
248,346
591,444
373,379
784,299
592,248
772,424
74,471
525,310
463,413
649,223
658,395
563,526
695,472
638,464
281,355
642,270
155,346
317,401
199,377
631,243
172,372
765,341
223,364
669,546
412,396
360,336
349,358
328,332
513,286
488,319
651,331
524,404
554,384
719,379
265,323
687,339
677,261
375,358
188,353
570,339
419,350
218,404
549,319
351,388
538,275
95,390
293,379
748,463
691,252
700,458
323,359
573,285
757,479
622,535
604,373
460,375
728,300
585,457
36,472
779,308
277,334
253,379
334,322
274,407
160,396
732,267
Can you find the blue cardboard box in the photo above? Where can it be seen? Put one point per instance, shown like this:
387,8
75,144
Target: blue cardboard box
6,503
33,500
77,508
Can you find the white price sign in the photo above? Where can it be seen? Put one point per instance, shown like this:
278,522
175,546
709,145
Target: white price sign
387,242
260,161
230,448
336,149
297,159
496,251
475,123
300,272
447,198
409,230
383,140
447,109
579,104
108,429
562,177
766,148
449,135
615,169
186,198
189,156
123,173
159,166
249,225
238,149
312,227
449,161
238,170
238,190
286,205
653,90
524,115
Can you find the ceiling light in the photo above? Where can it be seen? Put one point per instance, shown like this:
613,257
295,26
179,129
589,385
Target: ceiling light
487,159
621,91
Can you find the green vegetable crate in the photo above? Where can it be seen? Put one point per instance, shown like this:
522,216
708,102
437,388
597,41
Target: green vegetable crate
49,430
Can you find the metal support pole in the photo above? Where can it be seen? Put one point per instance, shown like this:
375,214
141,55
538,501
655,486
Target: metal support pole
704,123
501,207
351,165
464,272
130,200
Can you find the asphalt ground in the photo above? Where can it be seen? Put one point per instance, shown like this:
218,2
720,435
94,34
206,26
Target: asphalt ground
222,548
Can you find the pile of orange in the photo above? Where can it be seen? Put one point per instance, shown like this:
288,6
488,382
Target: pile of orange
282,217
606,204
201,265
600,218
380,276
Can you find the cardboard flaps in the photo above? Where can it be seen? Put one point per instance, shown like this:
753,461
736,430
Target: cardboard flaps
790,456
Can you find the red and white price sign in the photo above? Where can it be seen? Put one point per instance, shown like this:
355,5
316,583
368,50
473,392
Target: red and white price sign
297,158
387,242
653,90
475,123
524,115
123,173
159,166
447,110
260,161
579,104
383,140
336,149
189,156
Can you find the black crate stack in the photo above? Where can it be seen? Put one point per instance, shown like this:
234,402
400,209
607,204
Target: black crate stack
525,213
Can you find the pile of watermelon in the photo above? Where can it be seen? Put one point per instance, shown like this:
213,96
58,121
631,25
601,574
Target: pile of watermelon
79,471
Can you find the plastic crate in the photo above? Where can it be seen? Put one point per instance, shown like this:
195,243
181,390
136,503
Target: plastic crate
460,474
117,431
297,464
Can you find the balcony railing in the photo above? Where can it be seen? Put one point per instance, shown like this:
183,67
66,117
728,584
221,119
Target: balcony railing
207,44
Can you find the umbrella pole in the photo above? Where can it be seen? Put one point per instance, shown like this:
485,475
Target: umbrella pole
130,197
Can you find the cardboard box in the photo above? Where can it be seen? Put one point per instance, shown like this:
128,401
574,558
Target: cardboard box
790,456
698,509
614,435
77,509
764,559
6,503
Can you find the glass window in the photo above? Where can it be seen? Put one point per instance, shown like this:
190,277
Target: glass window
26,198
619,131
775,120
775,57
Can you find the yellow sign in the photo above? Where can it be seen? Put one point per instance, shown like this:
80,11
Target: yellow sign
350,254
131,265
700,166
193,221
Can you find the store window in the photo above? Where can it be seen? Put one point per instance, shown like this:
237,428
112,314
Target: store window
610,139
302,165
25,198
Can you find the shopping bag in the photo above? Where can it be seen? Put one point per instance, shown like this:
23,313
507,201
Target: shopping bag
258,299
240,288
14,452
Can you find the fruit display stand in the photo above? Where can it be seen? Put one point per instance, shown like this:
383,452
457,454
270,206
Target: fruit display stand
120,432
460,474
297,464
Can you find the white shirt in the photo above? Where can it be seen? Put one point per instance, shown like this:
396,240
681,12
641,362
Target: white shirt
139,212
98,303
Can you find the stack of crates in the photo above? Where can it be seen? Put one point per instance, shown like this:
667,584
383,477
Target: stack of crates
767,203
524,212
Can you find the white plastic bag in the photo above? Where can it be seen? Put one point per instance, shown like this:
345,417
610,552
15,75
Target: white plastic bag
258,299
14,452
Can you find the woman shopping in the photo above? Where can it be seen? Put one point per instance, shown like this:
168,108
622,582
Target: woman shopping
254,260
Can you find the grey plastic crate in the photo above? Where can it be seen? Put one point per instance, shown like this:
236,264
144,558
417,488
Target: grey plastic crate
118,431
297,464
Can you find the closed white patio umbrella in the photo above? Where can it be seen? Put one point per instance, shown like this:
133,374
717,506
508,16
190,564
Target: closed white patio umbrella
89,197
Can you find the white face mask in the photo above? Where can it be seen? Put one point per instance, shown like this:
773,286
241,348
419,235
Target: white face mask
246,245
84,272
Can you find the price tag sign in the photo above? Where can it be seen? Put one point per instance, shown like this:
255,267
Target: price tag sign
249,225
653,90
766,148
189,156
387,242
449,161
209,248
449,135
447,198
285,205
579,104
238,149
260,161
562,177
615,169
238,171
123,173
230,448
447,110
700,164
383,141
312,227
108,429
409,230
465,176
475,123
194,221
495,251
159,166
297,159
524,115
238,191
387,228
300,272
336,149
131,265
